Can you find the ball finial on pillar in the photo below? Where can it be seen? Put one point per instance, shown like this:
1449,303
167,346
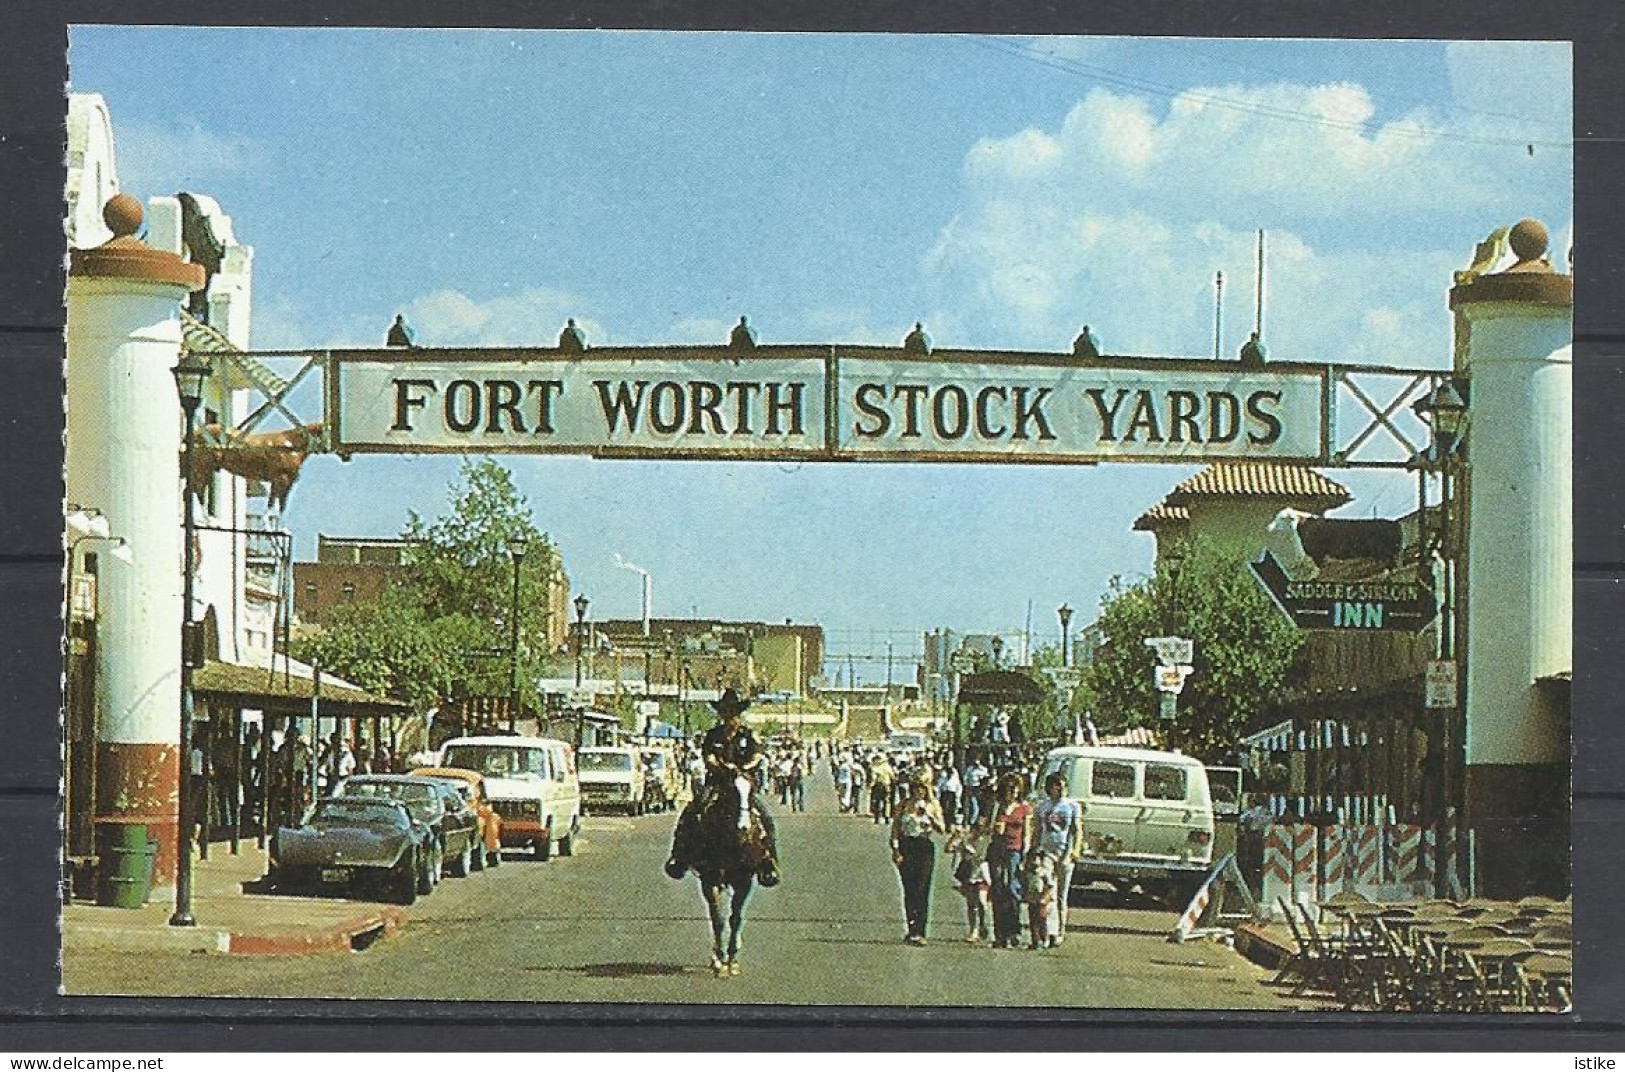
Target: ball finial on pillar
1528,240
123,215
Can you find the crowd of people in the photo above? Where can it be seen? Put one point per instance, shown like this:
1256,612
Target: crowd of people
1012,859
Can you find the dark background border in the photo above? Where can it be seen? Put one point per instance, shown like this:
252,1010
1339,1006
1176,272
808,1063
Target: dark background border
33,39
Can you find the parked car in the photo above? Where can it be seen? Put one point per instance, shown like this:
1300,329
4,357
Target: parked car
472,785
454,832
532,785
1147,817
463,833
660,779
355,843
613,778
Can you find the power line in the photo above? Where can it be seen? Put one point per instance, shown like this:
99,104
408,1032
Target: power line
1103,74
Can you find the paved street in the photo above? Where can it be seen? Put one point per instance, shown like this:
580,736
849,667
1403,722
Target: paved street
608,925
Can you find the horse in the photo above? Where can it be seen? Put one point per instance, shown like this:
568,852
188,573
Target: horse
725,853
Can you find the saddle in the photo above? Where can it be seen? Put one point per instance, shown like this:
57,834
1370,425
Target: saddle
709,831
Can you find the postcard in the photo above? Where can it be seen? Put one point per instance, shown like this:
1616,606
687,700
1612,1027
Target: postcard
818,519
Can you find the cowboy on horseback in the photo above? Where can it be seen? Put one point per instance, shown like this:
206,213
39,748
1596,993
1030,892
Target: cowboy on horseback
731,753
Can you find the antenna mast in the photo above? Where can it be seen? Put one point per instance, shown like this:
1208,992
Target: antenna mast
1218,311
1258,316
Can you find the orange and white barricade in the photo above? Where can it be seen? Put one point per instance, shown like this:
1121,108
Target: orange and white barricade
1305,864
1410,857
1276,885
1333,870
1364,849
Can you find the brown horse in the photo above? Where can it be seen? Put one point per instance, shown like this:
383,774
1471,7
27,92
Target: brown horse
725,857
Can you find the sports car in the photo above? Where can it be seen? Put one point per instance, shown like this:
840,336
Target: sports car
352,844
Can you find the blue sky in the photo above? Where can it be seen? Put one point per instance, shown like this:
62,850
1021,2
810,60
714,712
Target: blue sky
836,188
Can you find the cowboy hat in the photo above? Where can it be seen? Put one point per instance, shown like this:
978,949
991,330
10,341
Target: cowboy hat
729,703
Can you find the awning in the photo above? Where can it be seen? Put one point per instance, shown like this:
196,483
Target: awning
274,689
1000,687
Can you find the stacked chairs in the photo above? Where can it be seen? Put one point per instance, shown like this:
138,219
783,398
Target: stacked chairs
1434,956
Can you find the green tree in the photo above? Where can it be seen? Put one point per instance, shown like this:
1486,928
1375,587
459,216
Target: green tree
1245,650
443,630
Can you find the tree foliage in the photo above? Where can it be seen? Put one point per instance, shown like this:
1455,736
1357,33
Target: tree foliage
442,631
1245,649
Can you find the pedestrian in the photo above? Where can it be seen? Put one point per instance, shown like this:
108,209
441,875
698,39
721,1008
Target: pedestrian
1038,890
948,790
1058,836
798,784
968,847
880,789
1011,833
914,853
843,782
975,786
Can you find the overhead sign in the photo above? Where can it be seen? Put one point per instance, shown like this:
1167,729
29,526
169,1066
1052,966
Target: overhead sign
1172,650
822,403
1386,606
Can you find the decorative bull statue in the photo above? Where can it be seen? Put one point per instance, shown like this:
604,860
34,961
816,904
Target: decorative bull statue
274,457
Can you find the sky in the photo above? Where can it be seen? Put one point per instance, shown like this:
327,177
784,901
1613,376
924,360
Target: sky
836,188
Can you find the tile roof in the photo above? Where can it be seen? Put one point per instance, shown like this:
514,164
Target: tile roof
1297,483
1161,516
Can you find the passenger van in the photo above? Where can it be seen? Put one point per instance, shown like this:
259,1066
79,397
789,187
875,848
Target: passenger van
1147,816
612,778
532,786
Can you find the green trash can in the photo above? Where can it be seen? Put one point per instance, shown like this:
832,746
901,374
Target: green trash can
126,865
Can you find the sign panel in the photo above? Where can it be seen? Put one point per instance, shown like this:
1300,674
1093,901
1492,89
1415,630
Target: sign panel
636,402
821,403
1441,683
1171,678
1172,650
1385,606
977,406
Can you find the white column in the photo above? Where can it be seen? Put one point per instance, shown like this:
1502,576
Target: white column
123,457
1520,546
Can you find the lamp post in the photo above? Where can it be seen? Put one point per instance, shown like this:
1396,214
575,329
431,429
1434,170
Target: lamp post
516,551
1065,613
190,375
581,604
1445,412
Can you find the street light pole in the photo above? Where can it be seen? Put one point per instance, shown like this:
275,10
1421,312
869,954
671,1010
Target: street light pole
516,551
190,375
1445,412
581,604
1065,613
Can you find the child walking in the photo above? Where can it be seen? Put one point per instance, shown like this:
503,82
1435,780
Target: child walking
968,847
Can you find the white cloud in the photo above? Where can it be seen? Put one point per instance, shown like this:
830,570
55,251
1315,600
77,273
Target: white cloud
159,160
530,317
1120,216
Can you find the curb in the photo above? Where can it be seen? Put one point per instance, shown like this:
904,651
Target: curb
1260,947
357,933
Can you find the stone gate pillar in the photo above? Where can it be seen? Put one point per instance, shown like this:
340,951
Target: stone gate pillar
1514,333
123,457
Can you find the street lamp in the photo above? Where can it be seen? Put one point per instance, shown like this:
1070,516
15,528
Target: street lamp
190,375
1065,613
581,603
516,551
1445,412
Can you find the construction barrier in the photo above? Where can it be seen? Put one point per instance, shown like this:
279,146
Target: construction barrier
1305,865
1333,861
1276,883
1223,889
1365,861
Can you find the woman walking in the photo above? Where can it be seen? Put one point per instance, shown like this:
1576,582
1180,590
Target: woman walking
914,853
1012,832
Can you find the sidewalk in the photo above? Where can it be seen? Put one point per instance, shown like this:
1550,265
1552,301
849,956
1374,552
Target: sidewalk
230,921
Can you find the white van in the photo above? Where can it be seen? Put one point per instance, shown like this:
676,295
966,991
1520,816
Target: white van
1147,816
532,785
612,778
